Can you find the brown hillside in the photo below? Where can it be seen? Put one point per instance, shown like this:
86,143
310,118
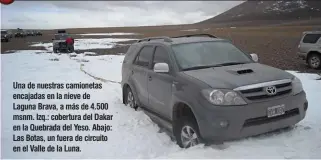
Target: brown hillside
269,12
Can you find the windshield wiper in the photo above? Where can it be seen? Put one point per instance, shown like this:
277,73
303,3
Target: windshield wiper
216,65
201,67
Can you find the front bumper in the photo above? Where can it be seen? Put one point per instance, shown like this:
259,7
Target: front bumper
234,122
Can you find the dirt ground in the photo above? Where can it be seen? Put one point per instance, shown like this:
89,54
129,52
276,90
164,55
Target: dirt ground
276,46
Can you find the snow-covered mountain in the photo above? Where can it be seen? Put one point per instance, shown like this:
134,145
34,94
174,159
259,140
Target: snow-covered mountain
270,10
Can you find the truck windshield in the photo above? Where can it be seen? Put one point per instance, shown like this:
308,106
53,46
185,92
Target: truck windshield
4,32
61,36
208,54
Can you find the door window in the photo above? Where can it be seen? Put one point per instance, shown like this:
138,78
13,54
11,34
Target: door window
160,56
311,38
144,56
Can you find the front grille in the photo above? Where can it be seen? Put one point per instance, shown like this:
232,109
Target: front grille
259,93
265,119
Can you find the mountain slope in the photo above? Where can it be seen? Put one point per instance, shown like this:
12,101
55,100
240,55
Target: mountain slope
269,11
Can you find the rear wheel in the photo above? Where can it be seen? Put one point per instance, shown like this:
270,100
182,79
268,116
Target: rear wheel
130,99
314,61
55,50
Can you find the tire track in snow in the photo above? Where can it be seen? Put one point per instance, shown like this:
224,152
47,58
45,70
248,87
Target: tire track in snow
95,77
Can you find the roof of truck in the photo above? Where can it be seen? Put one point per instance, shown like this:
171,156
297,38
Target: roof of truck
312,32
181,39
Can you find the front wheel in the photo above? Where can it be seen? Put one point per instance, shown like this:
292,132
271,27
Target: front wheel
187,133
130,99
314,61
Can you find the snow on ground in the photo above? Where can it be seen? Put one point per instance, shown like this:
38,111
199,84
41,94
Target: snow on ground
91,43
134,135
110,63
190,30
108,34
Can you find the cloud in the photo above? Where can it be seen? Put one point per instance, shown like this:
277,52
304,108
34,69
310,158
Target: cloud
79,14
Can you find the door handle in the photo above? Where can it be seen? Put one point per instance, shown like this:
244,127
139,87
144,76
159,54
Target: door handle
149,78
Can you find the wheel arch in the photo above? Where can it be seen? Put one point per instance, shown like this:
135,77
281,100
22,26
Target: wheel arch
124,88
311,53
182,109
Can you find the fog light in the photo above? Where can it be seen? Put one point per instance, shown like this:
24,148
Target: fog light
223,123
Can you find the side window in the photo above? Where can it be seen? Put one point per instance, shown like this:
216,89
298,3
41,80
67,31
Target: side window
160,56
144,56
311,38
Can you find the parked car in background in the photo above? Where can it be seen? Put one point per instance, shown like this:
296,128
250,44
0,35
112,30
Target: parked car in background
9,33
20,34
38,33
204,89
29,33
5,36
310,48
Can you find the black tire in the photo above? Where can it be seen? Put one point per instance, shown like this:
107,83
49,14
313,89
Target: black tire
130,95
55,50
181,125
314,61
71,49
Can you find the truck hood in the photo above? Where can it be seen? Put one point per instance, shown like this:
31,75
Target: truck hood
234,76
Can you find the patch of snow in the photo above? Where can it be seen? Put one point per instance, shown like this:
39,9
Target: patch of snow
92,43
48,46
90,53
108,34
73,54
134,135
190,30
232,27
286,6
112,63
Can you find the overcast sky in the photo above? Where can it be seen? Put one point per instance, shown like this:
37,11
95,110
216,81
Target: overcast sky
81,14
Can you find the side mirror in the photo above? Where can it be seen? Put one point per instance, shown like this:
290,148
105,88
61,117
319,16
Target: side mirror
255,57
161,68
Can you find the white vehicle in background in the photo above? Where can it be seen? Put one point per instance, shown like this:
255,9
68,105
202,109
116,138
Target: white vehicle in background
310,48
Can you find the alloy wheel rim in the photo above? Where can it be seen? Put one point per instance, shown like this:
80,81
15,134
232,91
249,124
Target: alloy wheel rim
315,62
189,137
130,99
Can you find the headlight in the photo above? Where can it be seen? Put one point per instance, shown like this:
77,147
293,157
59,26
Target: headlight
223,97
296,86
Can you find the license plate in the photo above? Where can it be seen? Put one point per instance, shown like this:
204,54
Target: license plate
276,110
